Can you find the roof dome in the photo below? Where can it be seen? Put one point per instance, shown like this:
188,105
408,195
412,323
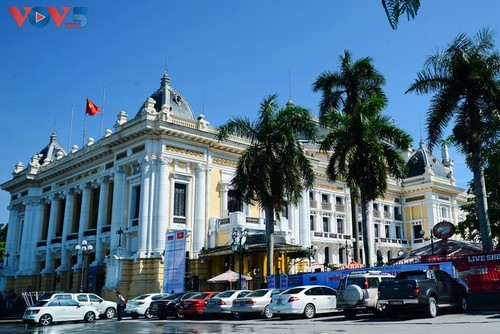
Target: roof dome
422,159
167,97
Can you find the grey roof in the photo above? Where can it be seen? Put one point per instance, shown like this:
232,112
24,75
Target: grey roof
49,153
420,159
177,103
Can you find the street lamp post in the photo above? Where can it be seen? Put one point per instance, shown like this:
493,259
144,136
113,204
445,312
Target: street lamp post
237,246
119,232
348,248
85,249
311,251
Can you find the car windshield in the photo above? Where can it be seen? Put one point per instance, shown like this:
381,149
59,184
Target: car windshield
40,303
226,294
293,291
257,293
141,297
200,296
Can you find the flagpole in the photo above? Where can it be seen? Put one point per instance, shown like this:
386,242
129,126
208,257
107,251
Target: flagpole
102,109
71,127
85,122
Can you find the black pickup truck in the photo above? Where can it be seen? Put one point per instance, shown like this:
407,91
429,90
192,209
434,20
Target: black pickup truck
427,290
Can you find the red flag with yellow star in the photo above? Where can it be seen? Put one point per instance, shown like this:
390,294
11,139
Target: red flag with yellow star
91,108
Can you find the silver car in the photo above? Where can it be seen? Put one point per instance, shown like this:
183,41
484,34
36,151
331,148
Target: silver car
256,302
139,306
222,302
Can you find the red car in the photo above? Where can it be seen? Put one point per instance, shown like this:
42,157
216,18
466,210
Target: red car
194,305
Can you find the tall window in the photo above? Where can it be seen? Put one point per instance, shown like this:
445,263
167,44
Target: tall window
387,231
340,225
311,223
180,200
399,235
135,204
233,205
377,234
326,224
416,231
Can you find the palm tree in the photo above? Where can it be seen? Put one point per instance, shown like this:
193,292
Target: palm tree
464,80
366,159
274,170
395,8
342,90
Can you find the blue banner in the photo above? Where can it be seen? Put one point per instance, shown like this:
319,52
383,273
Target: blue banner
174,261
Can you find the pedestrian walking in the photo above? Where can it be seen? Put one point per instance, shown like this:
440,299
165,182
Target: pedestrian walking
120,302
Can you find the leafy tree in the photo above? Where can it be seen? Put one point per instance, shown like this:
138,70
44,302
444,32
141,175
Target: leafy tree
469,228
3,238
365,148
345,93
464,80
273,170
395,8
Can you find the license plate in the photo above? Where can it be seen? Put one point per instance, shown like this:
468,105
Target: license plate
395,302
280,302
242,303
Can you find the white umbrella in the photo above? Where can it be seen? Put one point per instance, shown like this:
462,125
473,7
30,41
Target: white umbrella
228,276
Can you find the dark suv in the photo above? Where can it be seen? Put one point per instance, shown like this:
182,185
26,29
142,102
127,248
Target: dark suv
167,306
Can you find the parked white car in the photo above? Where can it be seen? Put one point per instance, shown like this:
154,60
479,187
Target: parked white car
140,305
256,302
223,301
45,312
307,300
106,308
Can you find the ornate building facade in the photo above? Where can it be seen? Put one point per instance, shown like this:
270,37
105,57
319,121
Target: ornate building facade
162,170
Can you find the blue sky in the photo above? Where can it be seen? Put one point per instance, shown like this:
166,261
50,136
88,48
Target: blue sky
223,56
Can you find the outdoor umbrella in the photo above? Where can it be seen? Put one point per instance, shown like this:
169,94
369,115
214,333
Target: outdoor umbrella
228,276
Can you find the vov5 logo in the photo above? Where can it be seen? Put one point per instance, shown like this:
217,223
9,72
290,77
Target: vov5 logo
39,17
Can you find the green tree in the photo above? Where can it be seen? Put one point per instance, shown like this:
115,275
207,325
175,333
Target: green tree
3,238
344,94
469,228
464,80
365,148
395,8
273,170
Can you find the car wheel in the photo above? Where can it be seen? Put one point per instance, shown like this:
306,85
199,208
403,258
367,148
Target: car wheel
309,311
267,312
110,313
89,316
432,308
147,314
45,320
179,315
393,314
236,315
378,311
463,304
350,314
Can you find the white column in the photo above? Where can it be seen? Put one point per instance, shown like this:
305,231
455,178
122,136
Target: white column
144,206
371,234
199,233
68,215
101,220
54,208
162,205
304,226
117,218
12,231
84,218
224,188
27,249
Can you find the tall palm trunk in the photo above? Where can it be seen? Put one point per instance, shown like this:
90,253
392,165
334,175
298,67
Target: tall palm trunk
481,203
365,220
355,229
269,214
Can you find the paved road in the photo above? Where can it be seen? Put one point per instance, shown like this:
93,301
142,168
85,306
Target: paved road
478,322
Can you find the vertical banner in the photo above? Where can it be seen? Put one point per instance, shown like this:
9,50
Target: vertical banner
174,261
